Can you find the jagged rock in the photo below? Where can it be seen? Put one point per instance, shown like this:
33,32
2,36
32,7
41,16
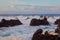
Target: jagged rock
37,22
56,22
37,35
7,23
57,30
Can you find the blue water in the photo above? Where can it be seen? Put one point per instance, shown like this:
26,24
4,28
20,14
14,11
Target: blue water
40,14
30,14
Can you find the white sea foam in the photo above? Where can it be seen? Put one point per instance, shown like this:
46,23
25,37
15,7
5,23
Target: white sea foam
25,31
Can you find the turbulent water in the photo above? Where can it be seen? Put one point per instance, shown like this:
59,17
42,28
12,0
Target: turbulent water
26,31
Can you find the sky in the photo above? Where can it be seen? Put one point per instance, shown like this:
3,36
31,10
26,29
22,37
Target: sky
30,2
30,5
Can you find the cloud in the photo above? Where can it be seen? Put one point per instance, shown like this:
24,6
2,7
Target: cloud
7,8
34,8
31,9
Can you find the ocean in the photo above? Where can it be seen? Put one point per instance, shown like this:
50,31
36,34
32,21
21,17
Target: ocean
30,14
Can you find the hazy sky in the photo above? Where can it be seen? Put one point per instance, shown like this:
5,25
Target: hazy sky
28,2
23,5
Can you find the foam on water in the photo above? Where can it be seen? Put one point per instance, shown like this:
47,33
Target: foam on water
24,30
